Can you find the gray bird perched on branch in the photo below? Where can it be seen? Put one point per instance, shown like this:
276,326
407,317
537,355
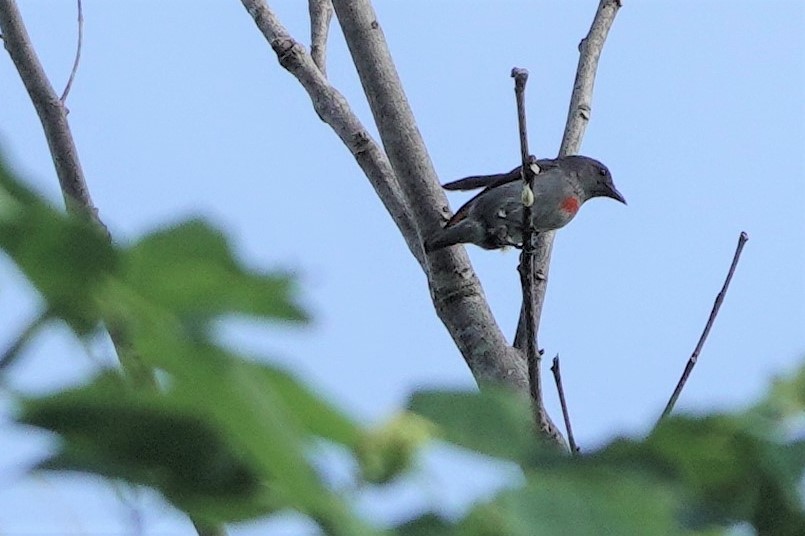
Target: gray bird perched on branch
494,218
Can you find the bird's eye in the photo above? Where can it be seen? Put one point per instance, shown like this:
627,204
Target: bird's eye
602,172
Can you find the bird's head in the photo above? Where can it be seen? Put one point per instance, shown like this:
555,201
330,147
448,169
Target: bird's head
595,178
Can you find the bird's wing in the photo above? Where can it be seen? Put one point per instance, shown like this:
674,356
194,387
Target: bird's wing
498,179
483,181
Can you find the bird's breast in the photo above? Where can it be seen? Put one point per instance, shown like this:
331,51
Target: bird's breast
570,205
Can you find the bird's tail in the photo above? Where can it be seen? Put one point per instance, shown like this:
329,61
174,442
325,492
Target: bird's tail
461,232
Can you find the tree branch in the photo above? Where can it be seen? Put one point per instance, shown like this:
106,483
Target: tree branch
51,111
321,13
577,118
528,171
334,110
53,116
77,59
694,357
409,190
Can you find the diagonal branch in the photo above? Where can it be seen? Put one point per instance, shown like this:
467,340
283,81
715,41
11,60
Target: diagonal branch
577,118
334,110
557,378
51,111
321,13
455,290
694,357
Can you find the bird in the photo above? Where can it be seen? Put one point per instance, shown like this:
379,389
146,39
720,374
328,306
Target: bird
493,219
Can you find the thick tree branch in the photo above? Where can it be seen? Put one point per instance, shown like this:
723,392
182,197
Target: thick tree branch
321,13
455,289
51,111
577,118
694,357
334,110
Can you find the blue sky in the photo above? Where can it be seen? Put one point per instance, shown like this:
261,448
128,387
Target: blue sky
180,109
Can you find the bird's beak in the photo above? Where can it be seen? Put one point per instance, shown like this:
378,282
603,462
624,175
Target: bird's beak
615,194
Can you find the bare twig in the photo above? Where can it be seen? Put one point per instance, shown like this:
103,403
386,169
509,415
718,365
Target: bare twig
67,87
321,13
528,172
577,118
694,357
13,351
526,255
51,113
557,377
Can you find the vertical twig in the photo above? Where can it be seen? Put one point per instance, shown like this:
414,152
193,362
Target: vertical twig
526,255
77,59
711,319
557,377
528,171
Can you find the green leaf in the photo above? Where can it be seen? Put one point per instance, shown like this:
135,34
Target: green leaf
314,414
492,422
390,449
190,269
426,525
729,471
64,257
577,501
148,439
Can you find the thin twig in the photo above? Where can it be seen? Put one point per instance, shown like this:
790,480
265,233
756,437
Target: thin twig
526,255
321,13
694,357
13,351
66,91
528,171
557,377
577,118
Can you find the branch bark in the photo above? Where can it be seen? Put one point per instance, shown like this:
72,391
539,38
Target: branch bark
51,111
455,289
577,118
333,109
321,13
403,178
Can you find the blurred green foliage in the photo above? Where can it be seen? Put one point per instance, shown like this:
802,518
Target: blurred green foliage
226,438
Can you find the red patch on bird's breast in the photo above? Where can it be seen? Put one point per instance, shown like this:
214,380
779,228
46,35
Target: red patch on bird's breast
570,204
